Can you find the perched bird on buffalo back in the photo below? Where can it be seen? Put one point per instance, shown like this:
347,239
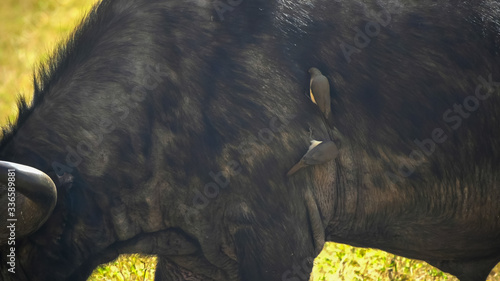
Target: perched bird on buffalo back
319,152
320,94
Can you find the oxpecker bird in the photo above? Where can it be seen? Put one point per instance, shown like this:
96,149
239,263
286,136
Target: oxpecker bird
319,152
320,94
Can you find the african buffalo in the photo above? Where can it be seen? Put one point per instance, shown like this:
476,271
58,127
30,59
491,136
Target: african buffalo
167,128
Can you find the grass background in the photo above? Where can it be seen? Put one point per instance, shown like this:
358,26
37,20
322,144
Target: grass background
29,30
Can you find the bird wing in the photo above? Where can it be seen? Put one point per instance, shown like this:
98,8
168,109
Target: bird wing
320,89
322,153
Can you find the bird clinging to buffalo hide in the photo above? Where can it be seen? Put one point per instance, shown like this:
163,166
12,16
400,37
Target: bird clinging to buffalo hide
320,94
319,152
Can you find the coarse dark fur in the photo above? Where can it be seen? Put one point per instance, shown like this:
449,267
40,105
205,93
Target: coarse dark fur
177,122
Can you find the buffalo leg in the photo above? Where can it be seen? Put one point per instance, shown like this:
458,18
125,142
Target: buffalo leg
471,270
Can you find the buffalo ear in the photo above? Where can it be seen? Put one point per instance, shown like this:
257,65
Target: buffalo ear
35,198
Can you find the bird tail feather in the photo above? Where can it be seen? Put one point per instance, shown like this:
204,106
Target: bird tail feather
294,169
329,120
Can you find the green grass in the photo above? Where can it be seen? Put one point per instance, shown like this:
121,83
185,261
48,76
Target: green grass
30,29
126,267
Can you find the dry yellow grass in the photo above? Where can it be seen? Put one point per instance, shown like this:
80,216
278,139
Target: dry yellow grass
30,29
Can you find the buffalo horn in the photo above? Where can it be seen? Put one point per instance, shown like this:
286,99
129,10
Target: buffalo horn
35,199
